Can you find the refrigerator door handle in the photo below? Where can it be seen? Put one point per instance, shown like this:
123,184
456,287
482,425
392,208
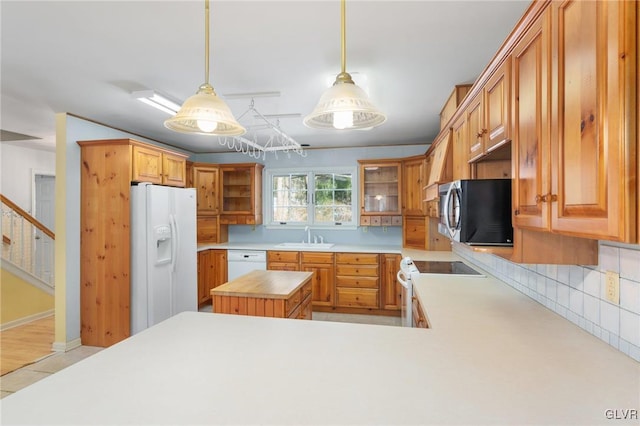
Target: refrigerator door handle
175,242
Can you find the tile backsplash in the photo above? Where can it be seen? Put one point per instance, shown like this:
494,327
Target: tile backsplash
578,293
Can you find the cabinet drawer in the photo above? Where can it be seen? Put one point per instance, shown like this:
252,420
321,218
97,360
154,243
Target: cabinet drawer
357,258
306,309
316,257
283,266
357,270
283,256
359,282
356,297
292,302
306,290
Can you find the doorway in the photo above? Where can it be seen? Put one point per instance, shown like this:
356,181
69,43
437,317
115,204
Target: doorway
44,212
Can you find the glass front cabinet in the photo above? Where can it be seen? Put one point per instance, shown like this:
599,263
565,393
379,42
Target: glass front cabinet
380,193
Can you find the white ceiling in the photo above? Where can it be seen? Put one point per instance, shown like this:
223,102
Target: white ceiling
86,57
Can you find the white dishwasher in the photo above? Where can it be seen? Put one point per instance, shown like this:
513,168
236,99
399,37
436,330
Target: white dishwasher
240,262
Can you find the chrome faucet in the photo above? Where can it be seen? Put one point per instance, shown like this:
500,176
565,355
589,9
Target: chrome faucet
308,231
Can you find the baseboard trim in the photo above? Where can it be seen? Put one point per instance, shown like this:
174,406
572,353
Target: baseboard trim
66,346
26,320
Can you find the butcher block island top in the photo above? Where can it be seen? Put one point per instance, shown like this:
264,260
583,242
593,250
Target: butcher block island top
280,294
269,284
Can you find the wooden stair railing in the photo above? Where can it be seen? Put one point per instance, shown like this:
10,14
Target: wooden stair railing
27,217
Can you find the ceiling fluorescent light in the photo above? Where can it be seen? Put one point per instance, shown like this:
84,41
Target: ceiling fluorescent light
151,98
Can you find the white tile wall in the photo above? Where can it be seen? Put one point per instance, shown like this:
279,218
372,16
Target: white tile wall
577,292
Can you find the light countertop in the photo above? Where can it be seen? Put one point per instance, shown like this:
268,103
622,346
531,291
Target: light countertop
493,356
337,248
264,284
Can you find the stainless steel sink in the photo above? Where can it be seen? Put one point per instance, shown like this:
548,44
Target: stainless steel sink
306,245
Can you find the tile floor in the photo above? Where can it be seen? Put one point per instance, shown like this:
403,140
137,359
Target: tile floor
51,364
47,366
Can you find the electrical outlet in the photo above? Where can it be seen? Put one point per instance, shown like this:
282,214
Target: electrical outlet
613,287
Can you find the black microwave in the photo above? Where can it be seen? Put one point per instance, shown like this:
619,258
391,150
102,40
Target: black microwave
477,212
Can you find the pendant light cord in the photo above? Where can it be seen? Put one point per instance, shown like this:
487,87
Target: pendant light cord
343,38
206,41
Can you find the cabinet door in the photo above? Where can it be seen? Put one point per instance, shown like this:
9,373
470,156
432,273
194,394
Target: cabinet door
460,149
590,172
391,288
212,272
205,273
380,188
413,180
474,117
220,268
174,170
530,149
323,283
497,99
414,232
146,165
205,180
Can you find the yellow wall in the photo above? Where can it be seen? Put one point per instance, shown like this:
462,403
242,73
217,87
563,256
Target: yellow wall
19,299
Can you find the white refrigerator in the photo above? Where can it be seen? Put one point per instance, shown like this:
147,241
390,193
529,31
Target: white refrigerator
163,253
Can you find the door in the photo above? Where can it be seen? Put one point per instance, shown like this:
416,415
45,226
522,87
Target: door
45,214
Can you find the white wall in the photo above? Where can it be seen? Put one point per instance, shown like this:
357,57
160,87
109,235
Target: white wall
18,165
577,292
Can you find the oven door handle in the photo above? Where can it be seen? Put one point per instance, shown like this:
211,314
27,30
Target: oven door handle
402,279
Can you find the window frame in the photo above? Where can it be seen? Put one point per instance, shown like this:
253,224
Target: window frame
311,173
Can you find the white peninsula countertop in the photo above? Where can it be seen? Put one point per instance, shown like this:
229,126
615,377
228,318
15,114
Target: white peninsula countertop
493,356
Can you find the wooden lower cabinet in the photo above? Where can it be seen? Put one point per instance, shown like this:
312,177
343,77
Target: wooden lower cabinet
323,281
391,289
357,280
419,317
212,272
346,282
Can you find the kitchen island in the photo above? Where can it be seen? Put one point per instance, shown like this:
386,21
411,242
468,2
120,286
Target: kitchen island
492,356
278,294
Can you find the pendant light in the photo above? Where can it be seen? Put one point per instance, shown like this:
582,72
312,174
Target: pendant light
205,113
344,105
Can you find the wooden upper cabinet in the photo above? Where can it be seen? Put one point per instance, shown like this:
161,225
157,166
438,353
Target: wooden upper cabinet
158,166
460,142
475,128
497,103
454,100
488,115
241,194
206,180
593,133
530,146
380,187
413,181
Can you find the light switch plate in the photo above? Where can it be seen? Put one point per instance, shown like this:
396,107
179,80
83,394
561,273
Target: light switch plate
613,287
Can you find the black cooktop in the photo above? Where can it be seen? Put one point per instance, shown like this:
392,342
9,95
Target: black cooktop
431,267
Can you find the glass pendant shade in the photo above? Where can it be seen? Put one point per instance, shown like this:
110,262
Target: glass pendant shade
344,106
205,114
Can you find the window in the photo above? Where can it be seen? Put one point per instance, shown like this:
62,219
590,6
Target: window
318,197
